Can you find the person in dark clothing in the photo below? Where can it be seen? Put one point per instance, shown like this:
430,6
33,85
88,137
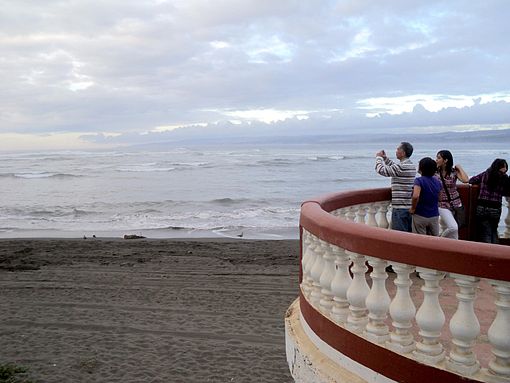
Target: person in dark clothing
494,184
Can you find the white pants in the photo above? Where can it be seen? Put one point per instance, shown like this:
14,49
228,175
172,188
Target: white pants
448,224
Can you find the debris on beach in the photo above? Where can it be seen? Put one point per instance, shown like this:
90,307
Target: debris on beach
133,236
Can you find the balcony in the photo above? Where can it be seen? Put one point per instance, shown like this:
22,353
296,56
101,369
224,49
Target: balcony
442,315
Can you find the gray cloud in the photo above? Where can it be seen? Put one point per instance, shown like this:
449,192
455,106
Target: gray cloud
493,115
130,66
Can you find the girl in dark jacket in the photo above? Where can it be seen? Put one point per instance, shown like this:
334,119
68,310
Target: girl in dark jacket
493,186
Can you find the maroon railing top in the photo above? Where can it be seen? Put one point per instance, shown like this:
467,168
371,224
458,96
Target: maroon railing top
456,256
334,201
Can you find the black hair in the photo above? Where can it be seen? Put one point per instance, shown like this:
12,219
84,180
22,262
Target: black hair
427,167
494,174
448,157
407,148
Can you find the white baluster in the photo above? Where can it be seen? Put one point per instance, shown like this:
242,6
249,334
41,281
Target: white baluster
306,257
372,211
327,275
430,318
307,267
499,334
464,327
377,302
340,284
383,215
351,214
357,294
305,241
402,311
342,213
361,213
318,266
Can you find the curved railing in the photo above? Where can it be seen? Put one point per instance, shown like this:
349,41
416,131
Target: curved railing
386,325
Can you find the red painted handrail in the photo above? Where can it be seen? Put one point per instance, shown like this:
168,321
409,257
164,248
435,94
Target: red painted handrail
456,256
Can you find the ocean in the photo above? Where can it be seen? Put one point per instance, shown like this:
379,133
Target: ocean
250,190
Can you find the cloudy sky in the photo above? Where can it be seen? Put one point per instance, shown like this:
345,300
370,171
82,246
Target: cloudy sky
87,73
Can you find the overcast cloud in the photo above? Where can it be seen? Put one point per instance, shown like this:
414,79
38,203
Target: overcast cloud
127,71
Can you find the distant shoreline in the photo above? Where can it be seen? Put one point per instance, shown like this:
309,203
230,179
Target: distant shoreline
182,234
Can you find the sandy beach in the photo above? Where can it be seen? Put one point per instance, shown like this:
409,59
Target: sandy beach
146,310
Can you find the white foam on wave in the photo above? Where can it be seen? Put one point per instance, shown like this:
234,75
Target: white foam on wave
326,158
34,175
137,169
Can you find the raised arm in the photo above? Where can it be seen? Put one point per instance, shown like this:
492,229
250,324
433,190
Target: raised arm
386,167
476,180
461,174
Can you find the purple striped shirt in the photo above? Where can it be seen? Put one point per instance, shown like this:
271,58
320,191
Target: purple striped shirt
489,198
451,184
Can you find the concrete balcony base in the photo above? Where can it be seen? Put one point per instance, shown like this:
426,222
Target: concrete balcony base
311,360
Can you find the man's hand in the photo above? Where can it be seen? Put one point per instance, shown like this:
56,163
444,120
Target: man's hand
381,153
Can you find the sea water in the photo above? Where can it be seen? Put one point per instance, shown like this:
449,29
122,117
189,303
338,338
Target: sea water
249,190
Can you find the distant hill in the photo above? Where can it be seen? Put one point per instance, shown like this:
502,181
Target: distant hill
485,136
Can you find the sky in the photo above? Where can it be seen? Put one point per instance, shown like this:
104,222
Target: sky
85,74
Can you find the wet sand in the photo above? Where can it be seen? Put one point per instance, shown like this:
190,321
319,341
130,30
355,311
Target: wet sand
115,310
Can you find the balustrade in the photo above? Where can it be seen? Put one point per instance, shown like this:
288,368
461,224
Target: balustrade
357,293
336,283
499,332
352,304
402,311
378,303
430,318
328,272
464,327
315,274
307,262
340,284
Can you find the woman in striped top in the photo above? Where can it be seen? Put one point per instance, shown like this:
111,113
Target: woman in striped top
448,174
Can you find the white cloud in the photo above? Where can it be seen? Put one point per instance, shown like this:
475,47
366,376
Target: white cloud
169,128
266,115
359,46
220,44
266,50
431,102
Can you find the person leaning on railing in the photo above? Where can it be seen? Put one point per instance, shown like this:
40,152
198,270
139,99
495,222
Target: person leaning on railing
494,183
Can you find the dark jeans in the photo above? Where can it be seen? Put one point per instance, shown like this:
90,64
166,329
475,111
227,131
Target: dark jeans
487,221
401,220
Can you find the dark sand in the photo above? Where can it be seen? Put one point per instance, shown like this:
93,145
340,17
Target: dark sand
115,310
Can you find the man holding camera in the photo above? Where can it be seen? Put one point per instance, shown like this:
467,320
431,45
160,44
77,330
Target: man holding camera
402,175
